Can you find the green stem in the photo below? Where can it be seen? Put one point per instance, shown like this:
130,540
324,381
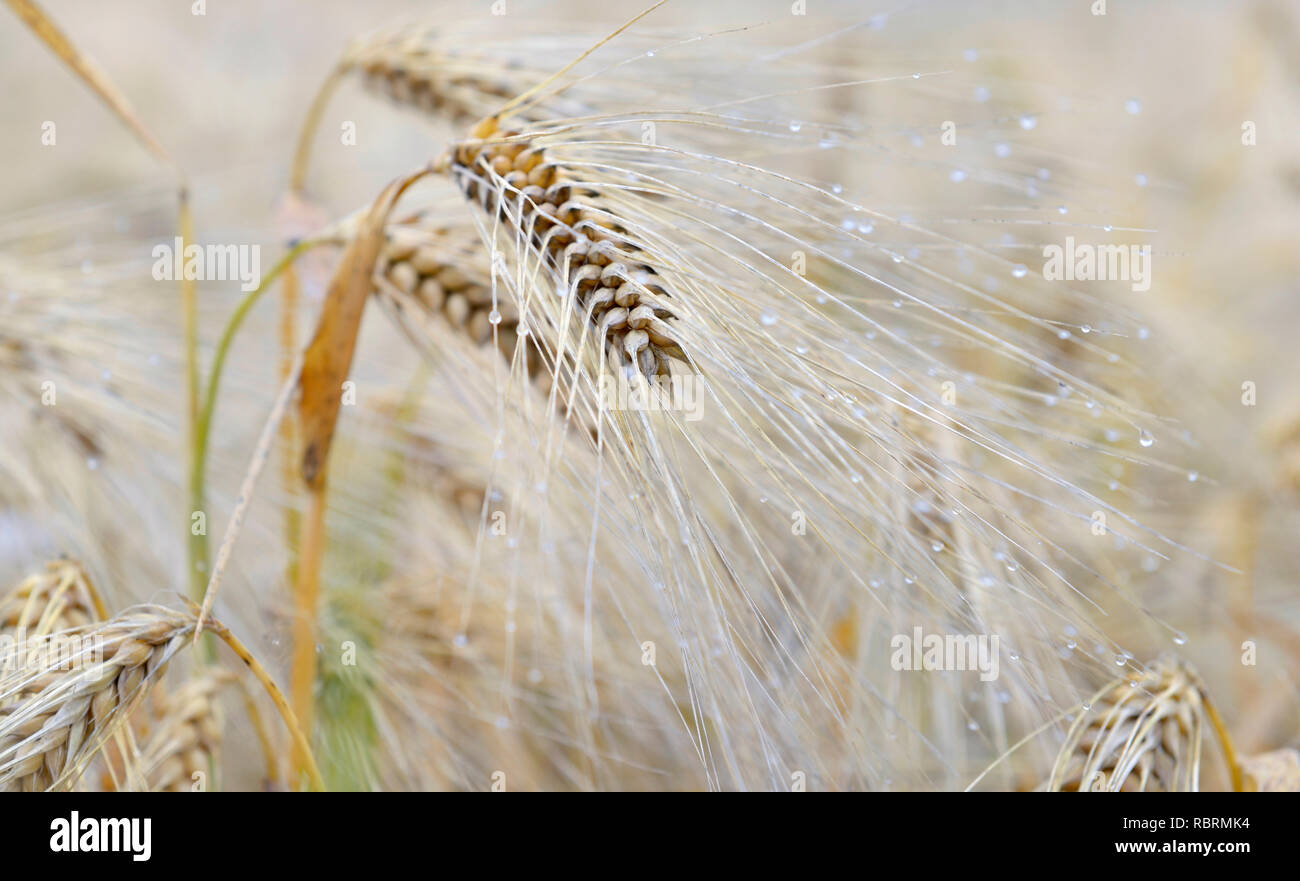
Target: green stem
199,552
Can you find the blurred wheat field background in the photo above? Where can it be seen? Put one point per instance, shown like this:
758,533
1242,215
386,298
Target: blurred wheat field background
828,221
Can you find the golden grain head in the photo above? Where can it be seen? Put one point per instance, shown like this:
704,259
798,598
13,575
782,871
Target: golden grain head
441,269
413,70
618,290
60,598
73,703
185,738
1141,733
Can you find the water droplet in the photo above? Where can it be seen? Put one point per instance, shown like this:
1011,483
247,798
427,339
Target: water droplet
494,317
1028,122
916,76
971,55
1145,438
1143,333
936,546
1015,656
768,319
1087,706
1120,660
1020,270
1002,151
973,725
650,53
1193,476
1087,328
1180,638
795,126
1108,228
957,176
1062,209
461,640
1140,179
982,94
92,463
1133,106
1071,645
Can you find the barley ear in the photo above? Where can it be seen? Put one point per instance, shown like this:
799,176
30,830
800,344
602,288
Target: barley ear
1142,733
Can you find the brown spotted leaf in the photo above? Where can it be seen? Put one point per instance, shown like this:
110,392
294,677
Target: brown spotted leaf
328,359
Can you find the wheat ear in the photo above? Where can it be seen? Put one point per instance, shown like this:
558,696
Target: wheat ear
1141,733
60,598
413,68
410,69
49,737
546,206
186,738
437,267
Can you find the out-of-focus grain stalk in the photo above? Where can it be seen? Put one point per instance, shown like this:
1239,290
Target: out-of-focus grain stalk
327,363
